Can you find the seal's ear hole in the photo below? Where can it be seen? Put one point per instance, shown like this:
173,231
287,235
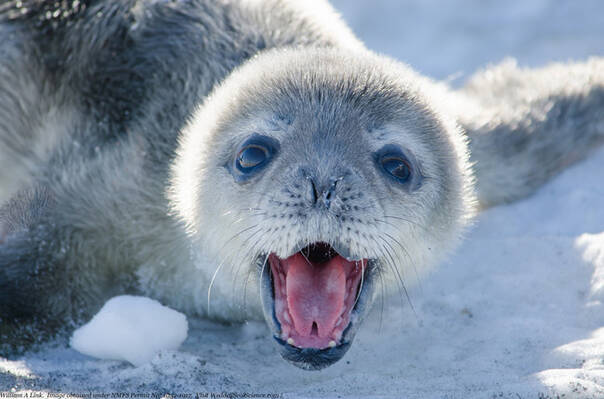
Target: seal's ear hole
398,165
252,156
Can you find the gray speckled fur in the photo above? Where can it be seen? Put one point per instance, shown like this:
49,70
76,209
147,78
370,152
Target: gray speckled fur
107,134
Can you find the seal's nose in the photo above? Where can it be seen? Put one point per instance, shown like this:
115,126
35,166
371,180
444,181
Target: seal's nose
322,194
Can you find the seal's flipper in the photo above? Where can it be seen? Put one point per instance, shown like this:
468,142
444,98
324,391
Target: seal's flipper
526,125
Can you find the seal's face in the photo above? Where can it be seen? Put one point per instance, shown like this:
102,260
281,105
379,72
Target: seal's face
324,177
321,229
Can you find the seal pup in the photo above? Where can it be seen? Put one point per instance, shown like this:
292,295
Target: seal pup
243,160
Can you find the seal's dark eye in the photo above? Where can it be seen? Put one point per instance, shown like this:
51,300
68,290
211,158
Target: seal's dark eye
397,167
251,156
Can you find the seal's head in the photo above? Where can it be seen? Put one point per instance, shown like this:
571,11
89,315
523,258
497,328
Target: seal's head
321,175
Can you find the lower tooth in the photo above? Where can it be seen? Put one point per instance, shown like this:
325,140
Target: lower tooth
331,344
291,341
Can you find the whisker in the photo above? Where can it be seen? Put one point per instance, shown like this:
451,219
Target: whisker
240,210
407,255
251,249
305,257
248,279
271,239
400,278
408,221
245,217
223,262
383,297
362,281
392,264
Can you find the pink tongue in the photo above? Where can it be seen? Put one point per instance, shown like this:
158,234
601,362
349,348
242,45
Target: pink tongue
315,293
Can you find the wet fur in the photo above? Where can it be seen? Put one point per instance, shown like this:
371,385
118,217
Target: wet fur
108,140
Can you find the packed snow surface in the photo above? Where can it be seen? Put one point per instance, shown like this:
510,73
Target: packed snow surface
516,313
131,328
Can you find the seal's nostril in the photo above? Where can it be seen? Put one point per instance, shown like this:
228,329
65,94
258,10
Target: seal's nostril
313,194
327,198
329,193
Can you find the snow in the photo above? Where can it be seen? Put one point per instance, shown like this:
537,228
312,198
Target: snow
131,328
516,313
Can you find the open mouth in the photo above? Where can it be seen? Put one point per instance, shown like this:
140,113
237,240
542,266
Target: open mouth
312,300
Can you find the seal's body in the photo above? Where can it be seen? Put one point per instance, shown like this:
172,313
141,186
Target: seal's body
240,159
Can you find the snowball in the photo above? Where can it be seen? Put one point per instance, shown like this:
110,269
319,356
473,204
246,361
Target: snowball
131,328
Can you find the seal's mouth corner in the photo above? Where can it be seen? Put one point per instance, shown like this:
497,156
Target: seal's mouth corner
311,300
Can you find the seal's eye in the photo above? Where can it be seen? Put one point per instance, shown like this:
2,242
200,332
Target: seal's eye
397,167
400,165
252,156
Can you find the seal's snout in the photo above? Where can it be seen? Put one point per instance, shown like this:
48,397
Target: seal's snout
322,192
